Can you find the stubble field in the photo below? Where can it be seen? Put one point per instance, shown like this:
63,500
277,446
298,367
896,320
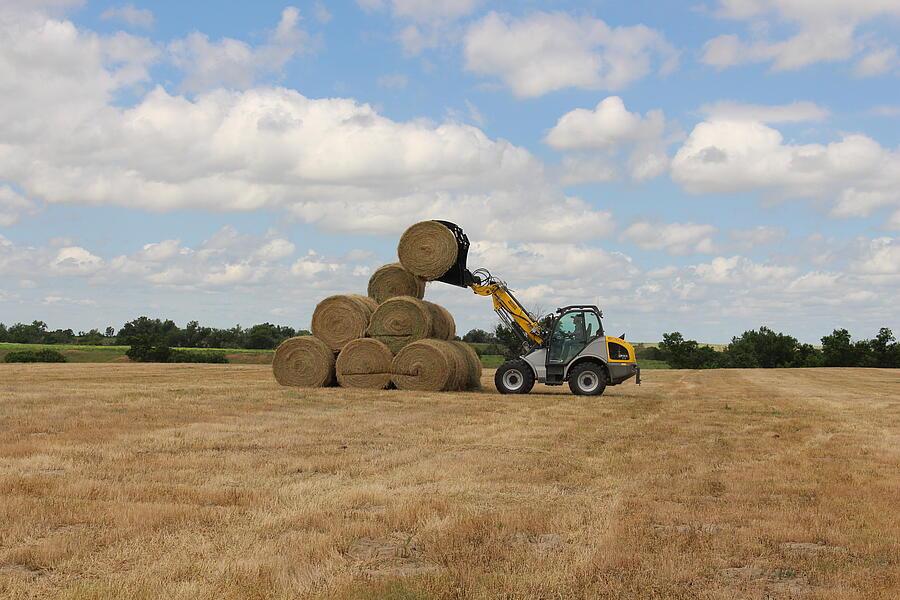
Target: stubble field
208,481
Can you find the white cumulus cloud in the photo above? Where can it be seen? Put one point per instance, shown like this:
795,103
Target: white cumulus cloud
794,112
233,63
674,238
723,156
607,131
544,52
75,260
824,32
12,206
130,15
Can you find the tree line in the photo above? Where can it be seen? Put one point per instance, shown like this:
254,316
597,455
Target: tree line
152,339
264,336
756,348
768,349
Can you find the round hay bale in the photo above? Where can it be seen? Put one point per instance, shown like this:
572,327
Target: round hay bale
369,305
427,250
304,361
341,319
426,366
460,366
399,321
364,363
393,280
443,327
473,365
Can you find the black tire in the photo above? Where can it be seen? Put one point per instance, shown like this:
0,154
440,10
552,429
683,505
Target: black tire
514,377
588,379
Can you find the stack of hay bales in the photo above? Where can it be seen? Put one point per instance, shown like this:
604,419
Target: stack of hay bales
390,337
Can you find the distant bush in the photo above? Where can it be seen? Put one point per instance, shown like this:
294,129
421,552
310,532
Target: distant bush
35,356
164,354
149,353
197,356
649,353
493,349
688,354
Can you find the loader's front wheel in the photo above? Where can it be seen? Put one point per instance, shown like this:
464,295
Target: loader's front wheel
514,377
588,379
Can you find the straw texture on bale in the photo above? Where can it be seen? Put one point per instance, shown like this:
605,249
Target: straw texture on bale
443,327
427,249
393,280
304,361
473,364
400,321
426,366
364,363
340,319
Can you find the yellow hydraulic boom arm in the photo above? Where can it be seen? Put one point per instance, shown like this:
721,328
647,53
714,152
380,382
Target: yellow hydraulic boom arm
509,309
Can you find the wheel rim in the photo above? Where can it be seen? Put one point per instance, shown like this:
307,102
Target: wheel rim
513,380
588,381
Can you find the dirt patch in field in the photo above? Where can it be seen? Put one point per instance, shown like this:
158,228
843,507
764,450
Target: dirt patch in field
398,554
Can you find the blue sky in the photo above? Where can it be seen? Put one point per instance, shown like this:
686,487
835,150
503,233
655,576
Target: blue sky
707,168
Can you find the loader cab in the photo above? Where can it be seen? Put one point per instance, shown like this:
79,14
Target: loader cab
572,329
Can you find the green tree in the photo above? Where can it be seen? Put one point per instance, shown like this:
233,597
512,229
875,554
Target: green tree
20,333
91,338
150,340
478,336
4,334
807,356
762,348
688,354
839,351
262,337
149,353
885,349
509,343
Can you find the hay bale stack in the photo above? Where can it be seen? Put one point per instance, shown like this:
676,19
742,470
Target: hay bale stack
340,319
443,327
364,363
304,361
393,280
427,250
400,321
473,364
432,366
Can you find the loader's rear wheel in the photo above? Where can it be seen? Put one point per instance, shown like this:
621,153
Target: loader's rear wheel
587,379
514,377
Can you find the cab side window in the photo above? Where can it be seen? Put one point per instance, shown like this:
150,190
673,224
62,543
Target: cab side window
570,336
592,326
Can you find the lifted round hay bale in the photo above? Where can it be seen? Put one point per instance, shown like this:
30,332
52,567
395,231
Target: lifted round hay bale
400,321
340,319
443,327
364,363
393,280
304,361
427,366
428,250
473,365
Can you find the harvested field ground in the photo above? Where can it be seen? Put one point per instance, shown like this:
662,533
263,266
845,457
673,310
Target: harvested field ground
209,481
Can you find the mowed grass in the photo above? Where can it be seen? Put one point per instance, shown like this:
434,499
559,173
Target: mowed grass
208,482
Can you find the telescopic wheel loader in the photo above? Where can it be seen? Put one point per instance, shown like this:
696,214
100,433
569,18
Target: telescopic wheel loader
570,346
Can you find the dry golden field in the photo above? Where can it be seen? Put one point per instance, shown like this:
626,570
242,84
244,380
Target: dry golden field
208,482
